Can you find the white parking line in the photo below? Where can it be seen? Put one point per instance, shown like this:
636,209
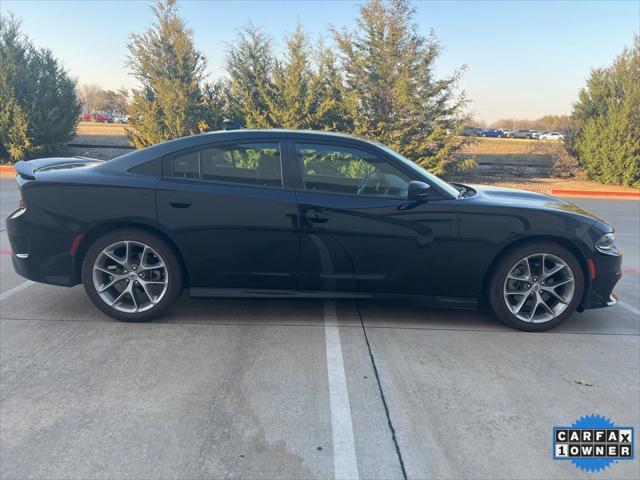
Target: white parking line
344,449
629,308
15,289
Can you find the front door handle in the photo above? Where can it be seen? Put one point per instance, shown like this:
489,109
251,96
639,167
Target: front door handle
177,202
316,217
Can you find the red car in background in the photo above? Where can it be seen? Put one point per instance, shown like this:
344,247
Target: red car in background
97,117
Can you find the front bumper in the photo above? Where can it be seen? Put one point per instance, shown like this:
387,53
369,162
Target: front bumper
608,272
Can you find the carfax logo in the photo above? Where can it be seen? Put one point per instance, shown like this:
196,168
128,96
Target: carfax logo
593,443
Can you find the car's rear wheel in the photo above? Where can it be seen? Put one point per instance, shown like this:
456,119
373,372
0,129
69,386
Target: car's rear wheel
536,286
132,275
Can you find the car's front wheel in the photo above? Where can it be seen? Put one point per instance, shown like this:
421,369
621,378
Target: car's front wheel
132,275
536,286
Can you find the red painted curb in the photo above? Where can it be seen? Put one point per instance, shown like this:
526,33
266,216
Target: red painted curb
583,193
594,193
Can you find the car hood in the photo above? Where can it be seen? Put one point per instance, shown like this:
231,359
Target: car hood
527,199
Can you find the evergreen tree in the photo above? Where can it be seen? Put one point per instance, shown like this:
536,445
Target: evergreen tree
332,105
292,104
606,135
14,125
170,70
216,104
396,98
250,64
38,105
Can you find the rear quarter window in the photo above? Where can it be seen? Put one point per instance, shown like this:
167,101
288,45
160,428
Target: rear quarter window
152,168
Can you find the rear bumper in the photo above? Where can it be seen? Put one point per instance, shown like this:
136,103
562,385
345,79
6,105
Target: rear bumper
39,254
608,272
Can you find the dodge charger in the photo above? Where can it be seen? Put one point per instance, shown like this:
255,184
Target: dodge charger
281,213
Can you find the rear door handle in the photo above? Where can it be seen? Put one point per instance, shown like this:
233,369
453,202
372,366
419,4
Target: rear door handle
177,202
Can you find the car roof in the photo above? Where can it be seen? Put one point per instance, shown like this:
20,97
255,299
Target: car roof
259,133
247,134
250,131
281,132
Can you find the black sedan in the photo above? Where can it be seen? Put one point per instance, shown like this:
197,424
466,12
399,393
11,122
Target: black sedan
279,213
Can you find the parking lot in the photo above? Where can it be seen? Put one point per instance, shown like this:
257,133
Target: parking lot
306,388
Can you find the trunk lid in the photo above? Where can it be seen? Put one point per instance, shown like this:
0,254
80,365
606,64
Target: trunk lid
28,169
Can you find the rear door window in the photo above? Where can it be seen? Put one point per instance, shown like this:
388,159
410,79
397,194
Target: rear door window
246,163
186,165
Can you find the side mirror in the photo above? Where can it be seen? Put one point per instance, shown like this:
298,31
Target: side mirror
418,190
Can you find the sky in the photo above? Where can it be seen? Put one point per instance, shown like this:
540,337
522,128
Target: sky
524,59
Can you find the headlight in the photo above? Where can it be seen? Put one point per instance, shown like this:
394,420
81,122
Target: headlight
605,243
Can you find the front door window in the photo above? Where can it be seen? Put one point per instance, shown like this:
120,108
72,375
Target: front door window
331,168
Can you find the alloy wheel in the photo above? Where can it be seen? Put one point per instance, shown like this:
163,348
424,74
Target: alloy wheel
130,277
539,287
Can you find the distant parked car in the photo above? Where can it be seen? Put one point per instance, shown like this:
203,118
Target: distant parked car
552,136
101,118
521,134
536,133
505,132
492,132
120,118
471,131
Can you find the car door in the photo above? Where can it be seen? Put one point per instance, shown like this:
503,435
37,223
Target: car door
359,230
232,216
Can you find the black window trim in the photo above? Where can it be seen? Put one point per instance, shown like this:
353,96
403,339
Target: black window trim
167,167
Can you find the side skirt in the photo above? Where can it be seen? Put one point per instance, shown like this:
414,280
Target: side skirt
447,302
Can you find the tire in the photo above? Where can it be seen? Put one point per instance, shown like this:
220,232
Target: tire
504,301
139,262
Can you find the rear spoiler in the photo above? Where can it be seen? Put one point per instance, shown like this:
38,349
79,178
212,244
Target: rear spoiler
28,169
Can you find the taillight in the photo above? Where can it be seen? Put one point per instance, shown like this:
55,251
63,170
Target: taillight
22,206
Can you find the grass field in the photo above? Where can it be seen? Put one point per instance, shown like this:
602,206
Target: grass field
108,134
509,150
503,146
101,129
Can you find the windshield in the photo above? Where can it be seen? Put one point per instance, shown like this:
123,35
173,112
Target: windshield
453,191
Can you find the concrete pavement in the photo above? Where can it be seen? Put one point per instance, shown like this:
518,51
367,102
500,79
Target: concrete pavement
247,388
